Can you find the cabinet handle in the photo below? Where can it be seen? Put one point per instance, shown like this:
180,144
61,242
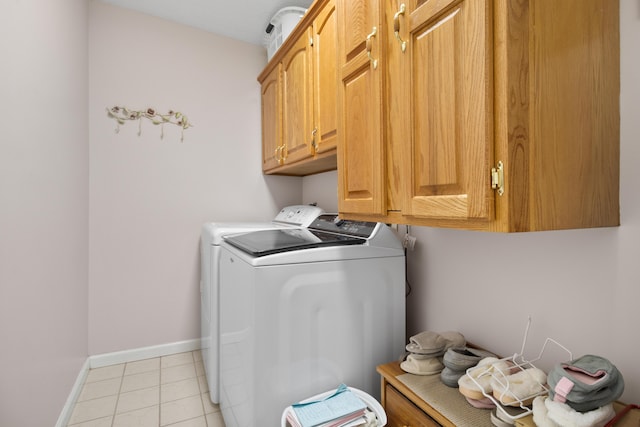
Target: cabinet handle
314,146
279,154
285,152
374,62
396,26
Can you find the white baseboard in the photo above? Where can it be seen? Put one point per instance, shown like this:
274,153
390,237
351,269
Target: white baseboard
65,415
107,359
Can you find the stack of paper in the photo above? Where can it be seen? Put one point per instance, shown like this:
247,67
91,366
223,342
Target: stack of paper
341,409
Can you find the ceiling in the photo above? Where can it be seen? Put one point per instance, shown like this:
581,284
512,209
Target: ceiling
244,20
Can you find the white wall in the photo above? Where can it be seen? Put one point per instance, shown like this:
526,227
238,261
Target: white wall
581,287
149,197
322,190
43,207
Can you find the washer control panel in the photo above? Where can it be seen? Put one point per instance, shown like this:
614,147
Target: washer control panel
300,215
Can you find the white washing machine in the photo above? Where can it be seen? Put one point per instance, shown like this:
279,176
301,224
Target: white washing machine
211,237
302,311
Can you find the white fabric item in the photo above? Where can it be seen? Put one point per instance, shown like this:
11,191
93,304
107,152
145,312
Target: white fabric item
482,373
519,386
453,339
430,366
547,413
564,415
540,417
426,342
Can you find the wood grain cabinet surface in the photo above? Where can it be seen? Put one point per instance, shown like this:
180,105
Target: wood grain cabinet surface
402,413
271,100
492,115
404,408
299,90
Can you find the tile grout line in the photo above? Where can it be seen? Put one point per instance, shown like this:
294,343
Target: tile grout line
118,395
204,411
160,394
115,409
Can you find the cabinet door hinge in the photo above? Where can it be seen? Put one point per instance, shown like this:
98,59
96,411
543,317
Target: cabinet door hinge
497,178
310,41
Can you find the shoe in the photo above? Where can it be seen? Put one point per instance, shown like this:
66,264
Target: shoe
477,380
463,358
427,342
453,339
586,383
484,403
435,344
449,377
547,413
430,366
520,387
457,360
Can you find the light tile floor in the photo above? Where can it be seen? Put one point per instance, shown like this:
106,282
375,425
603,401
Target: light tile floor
163,391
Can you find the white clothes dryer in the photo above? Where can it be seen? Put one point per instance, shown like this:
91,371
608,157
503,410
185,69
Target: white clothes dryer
304,310
212,233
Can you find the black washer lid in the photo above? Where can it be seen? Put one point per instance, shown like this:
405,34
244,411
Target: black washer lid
267,242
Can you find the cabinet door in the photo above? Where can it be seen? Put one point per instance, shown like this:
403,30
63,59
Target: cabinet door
450,151
296,102
271,120
402,413
325,79
361,157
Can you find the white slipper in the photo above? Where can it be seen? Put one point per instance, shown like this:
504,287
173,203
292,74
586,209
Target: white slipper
540,413
484,403
453,339
523,386
427,342
482,374
564,415
415,366
499,422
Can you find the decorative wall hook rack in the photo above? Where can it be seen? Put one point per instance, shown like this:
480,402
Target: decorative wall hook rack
122,114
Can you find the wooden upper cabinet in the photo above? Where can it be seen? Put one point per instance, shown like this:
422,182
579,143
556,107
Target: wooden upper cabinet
563,171
450,147
307,112
497,115
361,151
296,101
271,99
325,79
